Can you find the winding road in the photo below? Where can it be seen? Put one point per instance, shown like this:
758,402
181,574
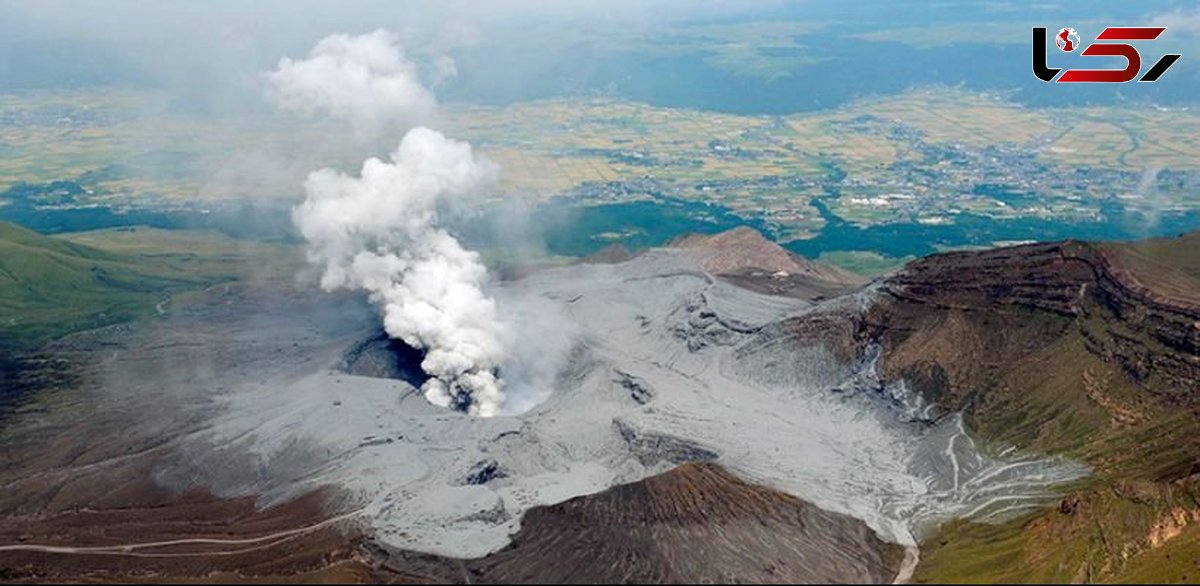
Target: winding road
131,549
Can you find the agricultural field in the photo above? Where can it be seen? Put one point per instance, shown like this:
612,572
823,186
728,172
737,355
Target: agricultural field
605,140
950,116
1134,139
922,157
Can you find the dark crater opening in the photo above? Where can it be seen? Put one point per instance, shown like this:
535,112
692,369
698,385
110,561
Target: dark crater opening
380,356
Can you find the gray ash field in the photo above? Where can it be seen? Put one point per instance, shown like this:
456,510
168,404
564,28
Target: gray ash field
667,365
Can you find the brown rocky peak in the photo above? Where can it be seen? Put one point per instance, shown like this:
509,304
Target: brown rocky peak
743,249
1130,304
611,254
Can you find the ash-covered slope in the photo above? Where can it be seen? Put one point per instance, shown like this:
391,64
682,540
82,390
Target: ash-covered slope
1090,350
668,364
258,392
270,394
694,524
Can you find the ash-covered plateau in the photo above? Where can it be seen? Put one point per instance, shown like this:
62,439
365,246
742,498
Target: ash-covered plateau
668,362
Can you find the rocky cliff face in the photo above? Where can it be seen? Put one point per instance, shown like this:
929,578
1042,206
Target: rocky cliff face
1084,350
1152,335
1089,350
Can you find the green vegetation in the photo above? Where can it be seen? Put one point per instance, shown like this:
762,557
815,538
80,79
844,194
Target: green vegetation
1170,266
51,286
1123,532
864,263
1137,517
926,157
1073,404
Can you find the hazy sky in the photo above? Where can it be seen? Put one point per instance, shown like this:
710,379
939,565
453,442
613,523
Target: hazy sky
204,44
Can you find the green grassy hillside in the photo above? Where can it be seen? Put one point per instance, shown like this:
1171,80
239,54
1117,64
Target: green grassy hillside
1092,360
51,286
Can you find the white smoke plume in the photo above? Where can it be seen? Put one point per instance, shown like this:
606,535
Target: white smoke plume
379,231
1151,200
366,80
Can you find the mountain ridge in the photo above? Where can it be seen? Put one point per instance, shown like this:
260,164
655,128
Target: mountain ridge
1084,350
1067,348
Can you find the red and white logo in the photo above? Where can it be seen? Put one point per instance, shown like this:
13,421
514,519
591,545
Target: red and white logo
1067,40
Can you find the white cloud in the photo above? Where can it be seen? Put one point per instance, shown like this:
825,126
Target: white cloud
366,80
1180,21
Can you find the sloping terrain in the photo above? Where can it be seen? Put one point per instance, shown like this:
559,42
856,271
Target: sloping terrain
50,286
744,257
268,390
1088,350
80,503
694,524
704,432
82,470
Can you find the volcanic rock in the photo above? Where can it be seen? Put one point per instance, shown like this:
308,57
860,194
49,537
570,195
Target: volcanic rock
694,524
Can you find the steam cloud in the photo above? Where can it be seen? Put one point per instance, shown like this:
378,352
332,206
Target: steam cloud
378,232
366,80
